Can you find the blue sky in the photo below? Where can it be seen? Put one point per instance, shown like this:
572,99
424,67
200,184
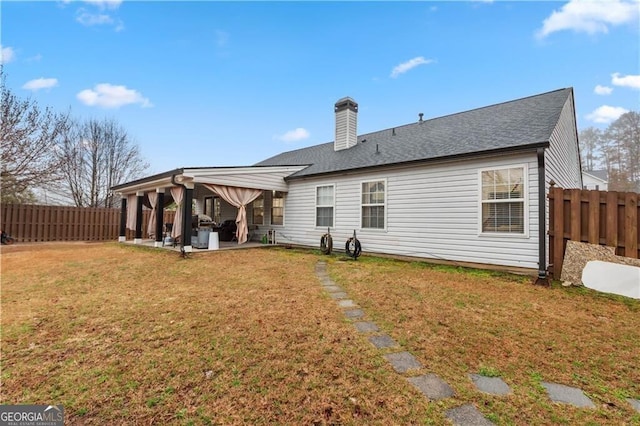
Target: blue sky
232,83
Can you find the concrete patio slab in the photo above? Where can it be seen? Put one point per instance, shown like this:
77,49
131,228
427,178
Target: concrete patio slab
403,361
354,313
366,327
567,395
432,386
492,385
467,415
382,341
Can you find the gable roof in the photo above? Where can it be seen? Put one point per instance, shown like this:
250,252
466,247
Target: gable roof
519,124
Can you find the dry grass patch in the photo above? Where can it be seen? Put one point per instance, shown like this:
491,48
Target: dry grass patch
126,335
459,322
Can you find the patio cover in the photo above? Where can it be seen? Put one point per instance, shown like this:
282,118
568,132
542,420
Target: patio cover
247,183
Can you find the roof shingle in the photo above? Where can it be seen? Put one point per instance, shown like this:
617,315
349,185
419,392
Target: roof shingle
515,124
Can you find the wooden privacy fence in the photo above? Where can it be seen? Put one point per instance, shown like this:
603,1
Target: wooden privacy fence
36,223
606,218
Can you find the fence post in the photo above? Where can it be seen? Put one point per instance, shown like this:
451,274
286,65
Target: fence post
631,225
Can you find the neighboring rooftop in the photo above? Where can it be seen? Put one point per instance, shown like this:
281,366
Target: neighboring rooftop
517,124
600,174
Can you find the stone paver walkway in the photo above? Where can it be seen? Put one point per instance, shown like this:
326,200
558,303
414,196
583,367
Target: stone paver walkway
567,395
430,385
492,385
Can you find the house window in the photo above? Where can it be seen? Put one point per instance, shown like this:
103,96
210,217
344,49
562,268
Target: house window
277,208
503,200
208,206
258,210
373,204
324,205
212,208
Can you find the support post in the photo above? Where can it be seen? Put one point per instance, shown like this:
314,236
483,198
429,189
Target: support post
185,241
159,216
122,236
138,236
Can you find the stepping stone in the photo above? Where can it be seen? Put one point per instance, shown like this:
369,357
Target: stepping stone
354,313
326,281
332,288
348,303
635,403
338,295
432,386
492,385
366,327
567,395
403,361
382,341
467,415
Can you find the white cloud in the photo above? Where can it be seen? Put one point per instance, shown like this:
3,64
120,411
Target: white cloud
105,4
294,135
606,114
40,83
602,90
109,96
89,19
590,16
410,64
632,81
7,54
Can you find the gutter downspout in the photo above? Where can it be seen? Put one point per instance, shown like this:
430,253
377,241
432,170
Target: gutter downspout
542,222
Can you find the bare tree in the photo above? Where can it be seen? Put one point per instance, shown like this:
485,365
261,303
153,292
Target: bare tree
29,137
590,141
623,136
97,155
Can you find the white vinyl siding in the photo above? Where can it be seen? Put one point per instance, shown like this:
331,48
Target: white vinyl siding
503,203
562,159
373,204
325,205
431,212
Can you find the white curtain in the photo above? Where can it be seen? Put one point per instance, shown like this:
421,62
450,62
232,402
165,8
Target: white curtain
153,200
177,192
238,197
132,208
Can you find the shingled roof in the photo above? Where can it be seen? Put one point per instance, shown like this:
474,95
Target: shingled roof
514,125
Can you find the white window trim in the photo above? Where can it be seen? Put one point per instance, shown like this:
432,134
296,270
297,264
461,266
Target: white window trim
385,205
525,194
315,202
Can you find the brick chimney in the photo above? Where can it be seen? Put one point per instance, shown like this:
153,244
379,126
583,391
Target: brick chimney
346,110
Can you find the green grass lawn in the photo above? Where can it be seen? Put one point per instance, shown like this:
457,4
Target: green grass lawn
127,335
